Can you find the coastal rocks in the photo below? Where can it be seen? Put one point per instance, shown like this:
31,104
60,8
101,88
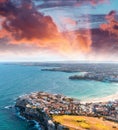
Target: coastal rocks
31,113
51,125
30,108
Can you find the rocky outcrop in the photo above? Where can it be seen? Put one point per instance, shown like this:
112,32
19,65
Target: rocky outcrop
23,105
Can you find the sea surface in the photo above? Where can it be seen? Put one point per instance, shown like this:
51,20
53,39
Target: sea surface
16,80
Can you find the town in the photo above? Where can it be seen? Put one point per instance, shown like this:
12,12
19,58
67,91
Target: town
56,104
95,76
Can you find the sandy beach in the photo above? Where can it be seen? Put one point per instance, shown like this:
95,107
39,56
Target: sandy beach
112,97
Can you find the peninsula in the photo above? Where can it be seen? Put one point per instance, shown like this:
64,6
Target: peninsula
59,112
96,76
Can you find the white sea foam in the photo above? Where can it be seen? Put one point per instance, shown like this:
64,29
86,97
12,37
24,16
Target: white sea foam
19,115
37,125
8,107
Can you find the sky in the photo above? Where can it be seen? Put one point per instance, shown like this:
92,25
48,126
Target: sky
59,30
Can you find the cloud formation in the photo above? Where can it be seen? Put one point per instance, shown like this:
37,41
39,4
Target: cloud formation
23,28
25,22
52,3
112,23
22,23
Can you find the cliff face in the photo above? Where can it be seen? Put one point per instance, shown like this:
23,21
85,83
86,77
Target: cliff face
37,114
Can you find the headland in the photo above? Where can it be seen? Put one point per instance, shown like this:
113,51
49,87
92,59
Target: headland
50,110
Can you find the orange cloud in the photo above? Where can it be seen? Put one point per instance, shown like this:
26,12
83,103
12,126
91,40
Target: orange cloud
23,24
70,21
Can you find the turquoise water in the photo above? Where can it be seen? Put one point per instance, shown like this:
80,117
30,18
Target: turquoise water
16,80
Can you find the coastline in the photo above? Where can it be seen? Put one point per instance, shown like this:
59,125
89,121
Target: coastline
109,98
42,107
35,123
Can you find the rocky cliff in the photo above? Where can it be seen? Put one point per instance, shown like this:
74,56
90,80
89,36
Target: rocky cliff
30,112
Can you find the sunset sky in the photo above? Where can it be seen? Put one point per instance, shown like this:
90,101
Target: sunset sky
59,30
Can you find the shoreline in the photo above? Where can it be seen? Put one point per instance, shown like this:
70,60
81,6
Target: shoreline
43,107
108,98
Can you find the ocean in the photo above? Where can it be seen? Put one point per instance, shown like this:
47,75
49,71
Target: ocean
17,80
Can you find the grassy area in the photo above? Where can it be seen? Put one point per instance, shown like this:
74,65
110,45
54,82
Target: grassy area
84,123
